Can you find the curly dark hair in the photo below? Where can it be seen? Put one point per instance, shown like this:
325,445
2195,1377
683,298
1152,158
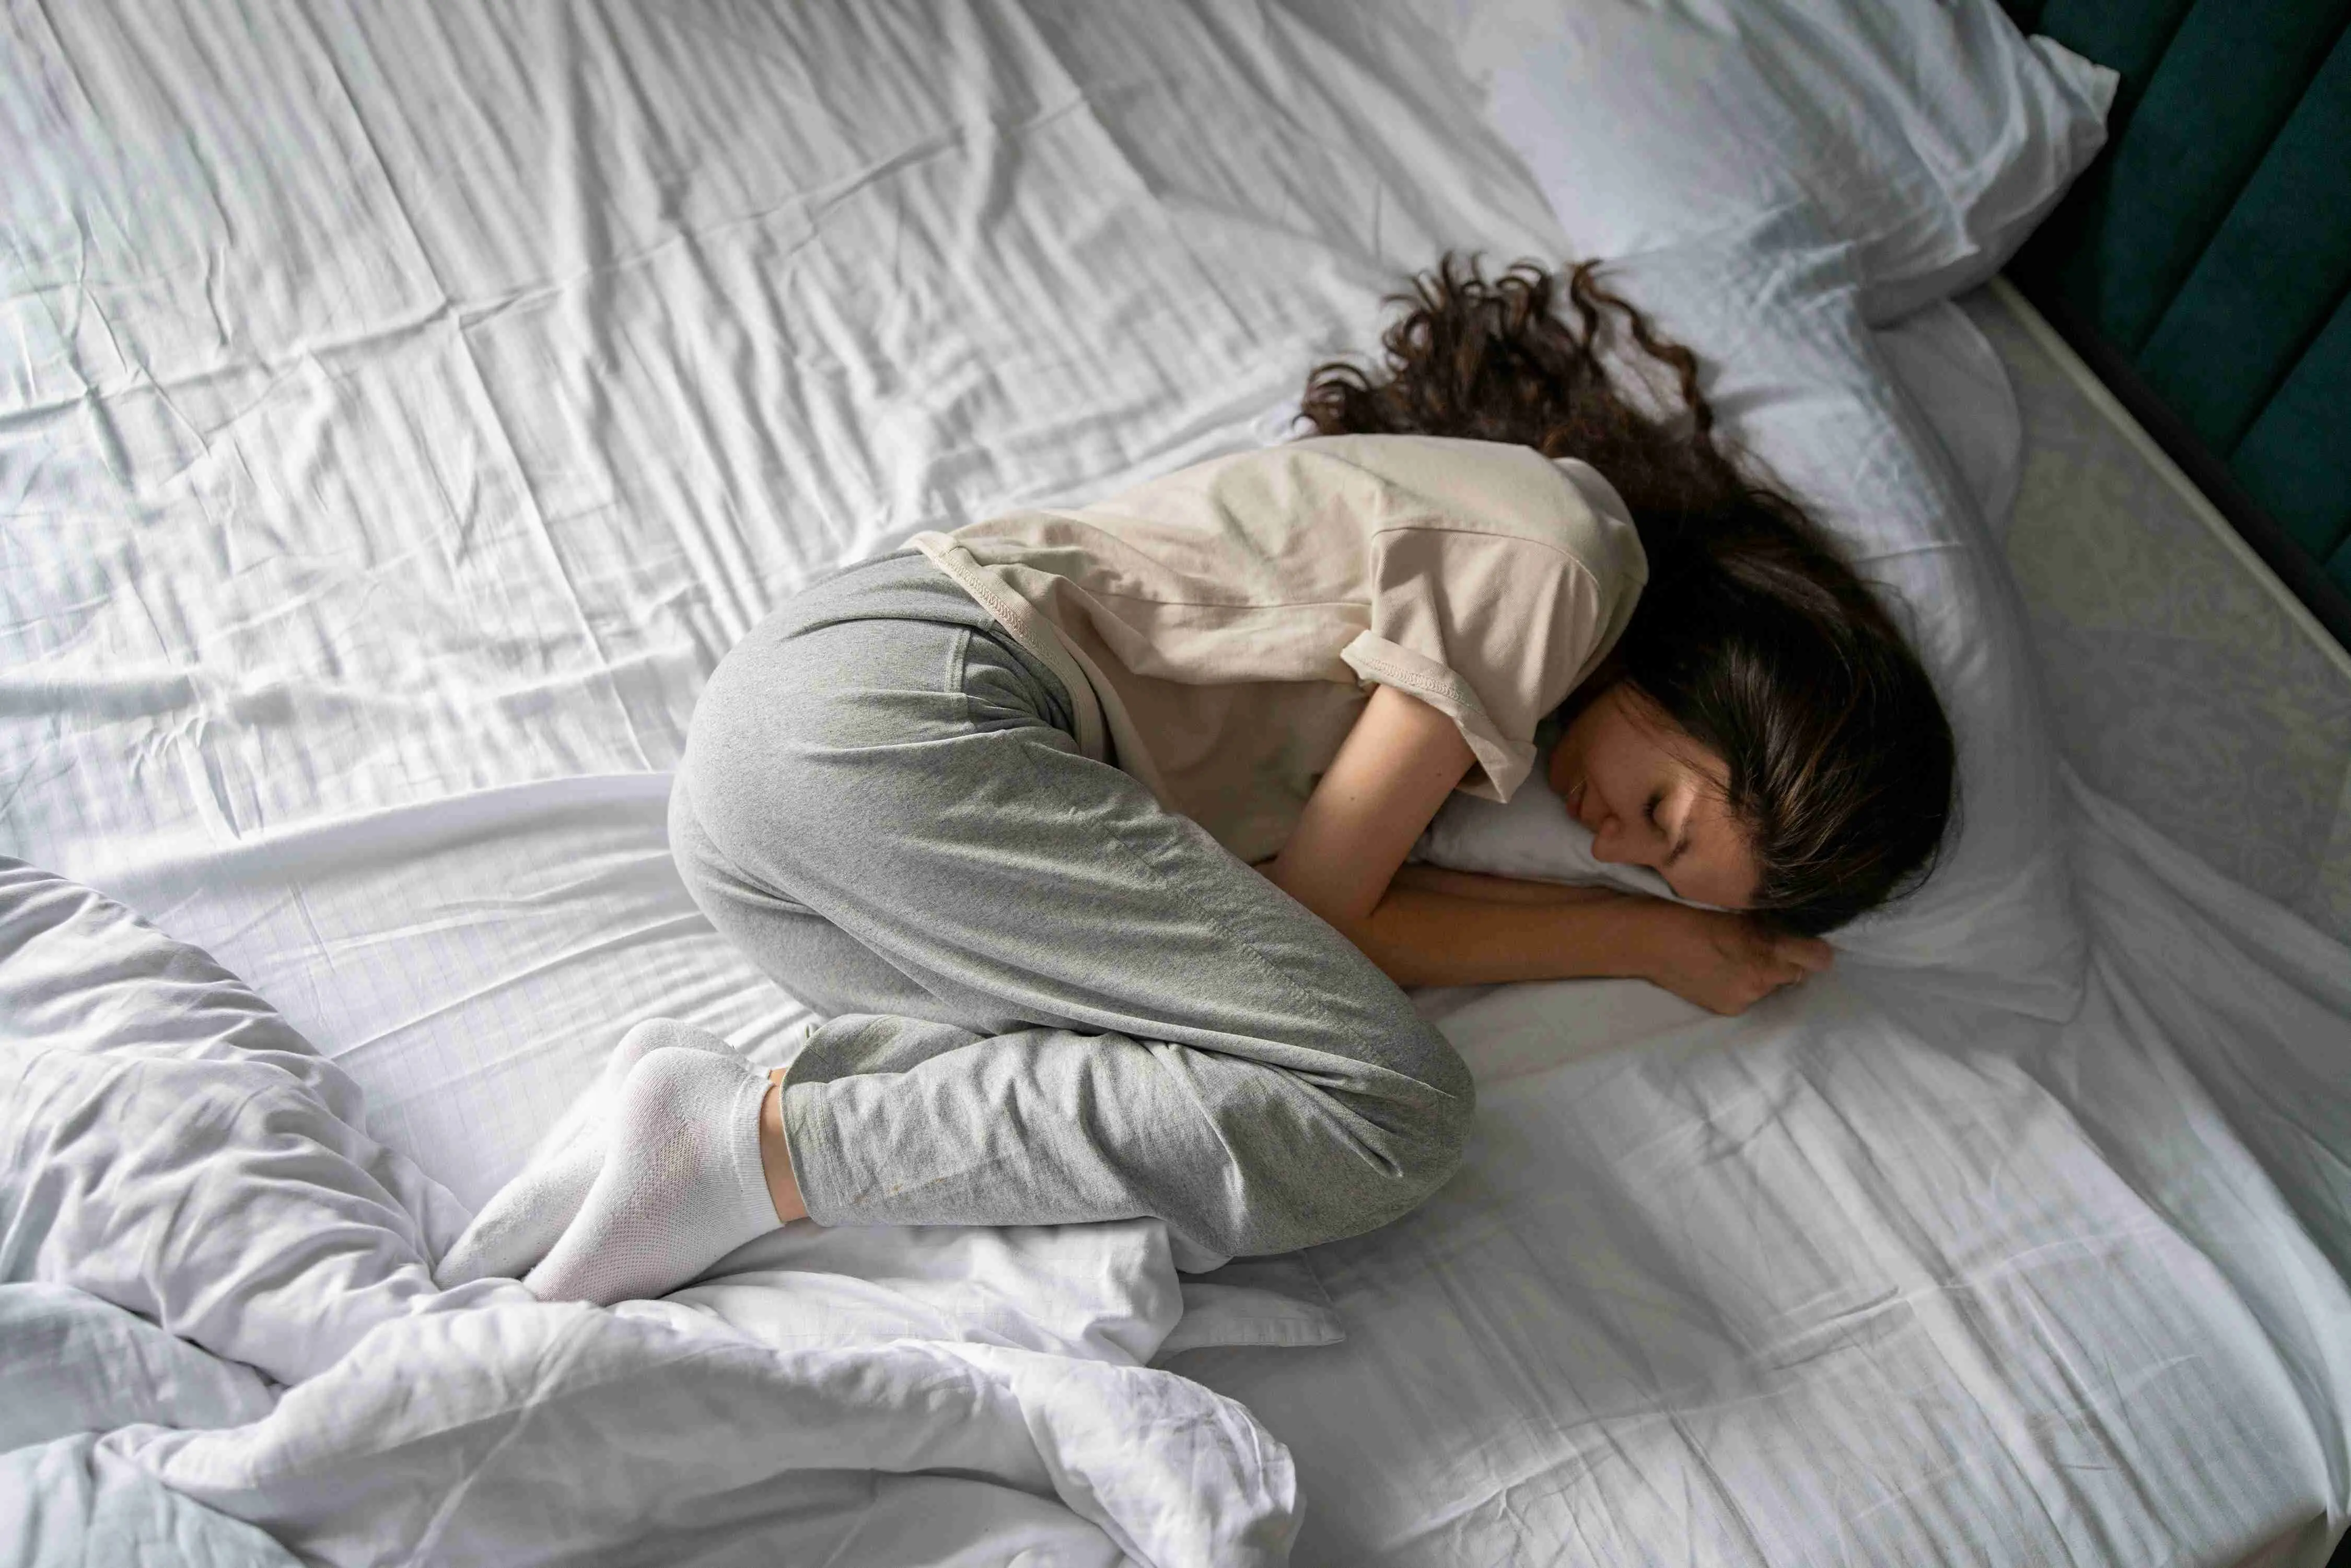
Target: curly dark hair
1754,636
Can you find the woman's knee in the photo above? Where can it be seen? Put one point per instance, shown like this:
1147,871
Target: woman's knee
1391,1142
1430,1147
1430,1058
1425,1120
818,740
711,879
740,733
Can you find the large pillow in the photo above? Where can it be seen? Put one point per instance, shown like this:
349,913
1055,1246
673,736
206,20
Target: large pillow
1794,372
170,1145
1954,375
1930,133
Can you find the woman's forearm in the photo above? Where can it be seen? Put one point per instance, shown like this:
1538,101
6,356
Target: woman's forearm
1438,927
1493,889
1422,935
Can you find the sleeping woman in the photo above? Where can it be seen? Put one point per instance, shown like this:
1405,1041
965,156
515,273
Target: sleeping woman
1083,830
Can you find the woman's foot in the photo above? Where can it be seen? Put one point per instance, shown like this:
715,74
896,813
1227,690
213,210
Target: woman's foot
524,1218
683,1183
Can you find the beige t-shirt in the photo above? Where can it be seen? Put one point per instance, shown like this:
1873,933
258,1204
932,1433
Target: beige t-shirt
1221,629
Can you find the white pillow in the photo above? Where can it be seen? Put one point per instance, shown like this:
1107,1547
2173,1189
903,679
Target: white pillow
1795,376
1952,372
1930,133
171,1146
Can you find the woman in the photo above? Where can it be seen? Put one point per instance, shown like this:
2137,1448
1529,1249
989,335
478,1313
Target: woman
1083,830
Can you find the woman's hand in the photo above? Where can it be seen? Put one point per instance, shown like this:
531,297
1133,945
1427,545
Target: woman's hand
1722,961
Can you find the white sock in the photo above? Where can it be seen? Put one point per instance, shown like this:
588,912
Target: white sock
524,1218
681,1185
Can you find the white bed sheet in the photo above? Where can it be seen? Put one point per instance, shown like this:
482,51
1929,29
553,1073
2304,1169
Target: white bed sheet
1864,1280
400,415
403,415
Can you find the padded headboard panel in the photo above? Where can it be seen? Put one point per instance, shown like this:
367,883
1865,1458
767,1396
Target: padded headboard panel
2203,266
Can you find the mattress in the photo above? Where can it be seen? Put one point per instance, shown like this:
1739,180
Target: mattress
1879,1282
403,417
403,413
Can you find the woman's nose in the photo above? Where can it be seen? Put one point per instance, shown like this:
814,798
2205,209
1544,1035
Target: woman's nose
1614,845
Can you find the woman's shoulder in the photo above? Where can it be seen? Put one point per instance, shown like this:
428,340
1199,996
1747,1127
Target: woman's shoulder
1488,491
1496,487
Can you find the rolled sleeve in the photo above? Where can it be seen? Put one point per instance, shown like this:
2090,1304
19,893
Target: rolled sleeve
1503,763
1493,630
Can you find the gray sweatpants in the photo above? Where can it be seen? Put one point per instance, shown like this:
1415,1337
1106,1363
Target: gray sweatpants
1047,998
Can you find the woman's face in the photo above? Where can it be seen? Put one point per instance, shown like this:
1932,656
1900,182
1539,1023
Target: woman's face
1653,796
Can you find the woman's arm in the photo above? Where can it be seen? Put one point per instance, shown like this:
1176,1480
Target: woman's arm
1426,926
1422,925
1493,889
1395,768
1423,935
1431,935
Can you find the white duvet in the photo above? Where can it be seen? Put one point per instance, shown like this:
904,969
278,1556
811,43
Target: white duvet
219,1313
524,1433
400,410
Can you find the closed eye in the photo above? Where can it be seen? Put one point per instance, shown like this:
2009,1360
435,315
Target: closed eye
1681,845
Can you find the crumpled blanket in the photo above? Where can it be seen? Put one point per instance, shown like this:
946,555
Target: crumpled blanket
222,1343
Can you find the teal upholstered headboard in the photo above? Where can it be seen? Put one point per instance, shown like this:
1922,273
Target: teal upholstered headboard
2203,266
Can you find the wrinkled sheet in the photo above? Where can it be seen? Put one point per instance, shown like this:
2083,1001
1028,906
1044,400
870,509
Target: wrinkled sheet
533,1433
1870,1279
401,411
208,1265
506,1430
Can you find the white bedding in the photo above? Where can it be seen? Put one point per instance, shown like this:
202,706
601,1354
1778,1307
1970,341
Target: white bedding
1865,1279
208,1264
399,413
488,1436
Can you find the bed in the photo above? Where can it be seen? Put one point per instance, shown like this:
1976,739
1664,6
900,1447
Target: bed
405,410
2202,267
